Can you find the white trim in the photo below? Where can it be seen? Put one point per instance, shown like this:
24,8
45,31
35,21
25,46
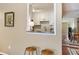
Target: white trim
37,33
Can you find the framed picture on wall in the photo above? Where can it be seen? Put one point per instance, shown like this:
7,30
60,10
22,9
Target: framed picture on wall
9,19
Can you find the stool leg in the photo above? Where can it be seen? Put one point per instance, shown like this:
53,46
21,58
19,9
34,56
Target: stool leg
32,52
36,52
29,52
24,52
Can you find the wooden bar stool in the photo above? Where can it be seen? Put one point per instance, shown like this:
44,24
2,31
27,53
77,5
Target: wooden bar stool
30,50
47,52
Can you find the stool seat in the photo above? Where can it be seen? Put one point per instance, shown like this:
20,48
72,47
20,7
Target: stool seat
47,52
31,50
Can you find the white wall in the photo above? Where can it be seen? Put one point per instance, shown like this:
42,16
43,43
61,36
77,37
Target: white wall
68,22
64,31
13,40
72,22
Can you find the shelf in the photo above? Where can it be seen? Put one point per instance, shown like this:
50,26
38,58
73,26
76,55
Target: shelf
44,22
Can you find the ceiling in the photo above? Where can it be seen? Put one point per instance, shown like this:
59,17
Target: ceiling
42,6
71,10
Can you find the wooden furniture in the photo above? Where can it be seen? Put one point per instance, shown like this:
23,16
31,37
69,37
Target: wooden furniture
47,52
30,50
65,50
76,37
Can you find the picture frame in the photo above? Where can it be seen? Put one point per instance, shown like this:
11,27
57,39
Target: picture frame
9,19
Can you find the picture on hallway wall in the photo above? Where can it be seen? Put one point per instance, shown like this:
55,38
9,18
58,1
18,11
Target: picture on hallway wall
9,19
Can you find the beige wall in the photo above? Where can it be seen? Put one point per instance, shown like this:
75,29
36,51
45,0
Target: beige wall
13,40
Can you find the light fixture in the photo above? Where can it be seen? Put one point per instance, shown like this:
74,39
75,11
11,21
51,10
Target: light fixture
35,10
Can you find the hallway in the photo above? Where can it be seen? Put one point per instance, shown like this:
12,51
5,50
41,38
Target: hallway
70,29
